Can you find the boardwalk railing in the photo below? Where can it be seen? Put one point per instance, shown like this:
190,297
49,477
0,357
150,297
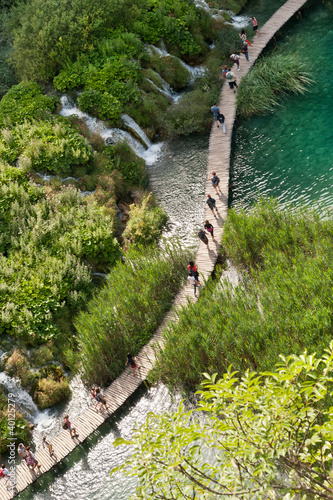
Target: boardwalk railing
125,385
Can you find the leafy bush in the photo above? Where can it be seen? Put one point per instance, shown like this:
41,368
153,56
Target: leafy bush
23,102
101,104
50,392
51,145
171,69
122,158
283,302
271,78
145,223
125,313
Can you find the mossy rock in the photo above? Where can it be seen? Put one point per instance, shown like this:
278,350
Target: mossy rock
171,70
50,392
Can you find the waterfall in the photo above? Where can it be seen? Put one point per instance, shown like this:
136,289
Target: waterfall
195,71
201,4
21,396
238,22
112,134
167,90
130,123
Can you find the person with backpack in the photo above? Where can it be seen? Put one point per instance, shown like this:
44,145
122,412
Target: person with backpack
216,111
210,228
191,281
235,57
224,72
68,425
221,120
193,270
231,80
100,398
212,204
245,51
203,236
215,182
4,473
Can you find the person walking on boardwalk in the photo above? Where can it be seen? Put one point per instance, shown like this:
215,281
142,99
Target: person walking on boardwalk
221,120
191,281
235,57
224,72
212,204
210,228
255,25
203,236
216,111
193,269
4,473
245,51
132,362
215,182
31,459
100,398
22,452
48,445
232,80
243,37
68,425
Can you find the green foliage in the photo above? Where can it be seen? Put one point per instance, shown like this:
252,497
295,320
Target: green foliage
282,303
50,392
145,223
271,78
101,104
125,313
22,432
23,102
171,69
122,158
260,436
50,145
45,240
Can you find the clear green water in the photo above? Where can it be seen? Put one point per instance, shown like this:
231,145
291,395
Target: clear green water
288,153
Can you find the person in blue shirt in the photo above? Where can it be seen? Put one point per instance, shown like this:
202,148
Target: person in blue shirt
216,111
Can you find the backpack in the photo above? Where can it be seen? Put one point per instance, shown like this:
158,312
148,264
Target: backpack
244,49
220,118
65,425
229,76
202,235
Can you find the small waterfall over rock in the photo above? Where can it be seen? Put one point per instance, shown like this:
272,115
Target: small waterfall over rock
111,135
130,123
195,71
202,5
238,22
21,396
167,91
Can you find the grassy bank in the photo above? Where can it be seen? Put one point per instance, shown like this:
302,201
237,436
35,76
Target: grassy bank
123,316
282,305
271,79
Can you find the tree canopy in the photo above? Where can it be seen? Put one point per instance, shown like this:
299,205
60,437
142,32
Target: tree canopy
261,436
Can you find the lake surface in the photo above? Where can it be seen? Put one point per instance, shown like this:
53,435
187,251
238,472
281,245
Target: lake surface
288,153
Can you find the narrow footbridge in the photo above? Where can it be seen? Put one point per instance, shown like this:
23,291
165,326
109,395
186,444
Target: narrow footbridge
126,384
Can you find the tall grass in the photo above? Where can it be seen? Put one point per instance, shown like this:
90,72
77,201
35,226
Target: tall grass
271,78
123,316
283,304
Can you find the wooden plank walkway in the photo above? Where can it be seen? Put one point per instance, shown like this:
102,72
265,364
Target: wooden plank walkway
124,386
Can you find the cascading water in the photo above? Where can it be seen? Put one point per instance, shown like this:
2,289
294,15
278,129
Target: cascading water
22,397
167,91
194,71
112,134
130,123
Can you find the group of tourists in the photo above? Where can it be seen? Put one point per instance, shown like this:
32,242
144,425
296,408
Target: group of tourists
27,456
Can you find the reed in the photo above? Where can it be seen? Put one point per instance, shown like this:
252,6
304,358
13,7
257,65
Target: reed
271,79
123,316
282,305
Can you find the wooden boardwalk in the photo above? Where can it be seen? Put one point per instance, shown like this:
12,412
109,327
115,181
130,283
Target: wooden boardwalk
125,385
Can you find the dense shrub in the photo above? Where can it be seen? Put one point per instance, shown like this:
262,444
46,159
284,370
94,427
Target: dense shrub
50,145
270,79
282,304
171,69
125,313
50,392
23,102
145,223
122,158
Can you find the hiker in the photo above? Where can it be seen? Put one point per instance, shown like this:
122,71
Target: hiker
235,57
209,228
216,111
202,235
212,204
4,473
132,362
245,51
224,72
193,270
191,281
255,25
231,80
31,459
100,398
48,445
215,182
242,36
22,452
221,120
68,425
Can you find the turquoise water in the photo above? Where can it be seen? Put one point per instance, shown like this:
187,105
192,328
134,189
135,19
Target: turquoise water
288,153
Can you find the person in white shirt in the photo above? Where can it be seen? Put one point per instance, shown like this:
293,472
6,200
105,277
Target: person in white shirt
235,57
